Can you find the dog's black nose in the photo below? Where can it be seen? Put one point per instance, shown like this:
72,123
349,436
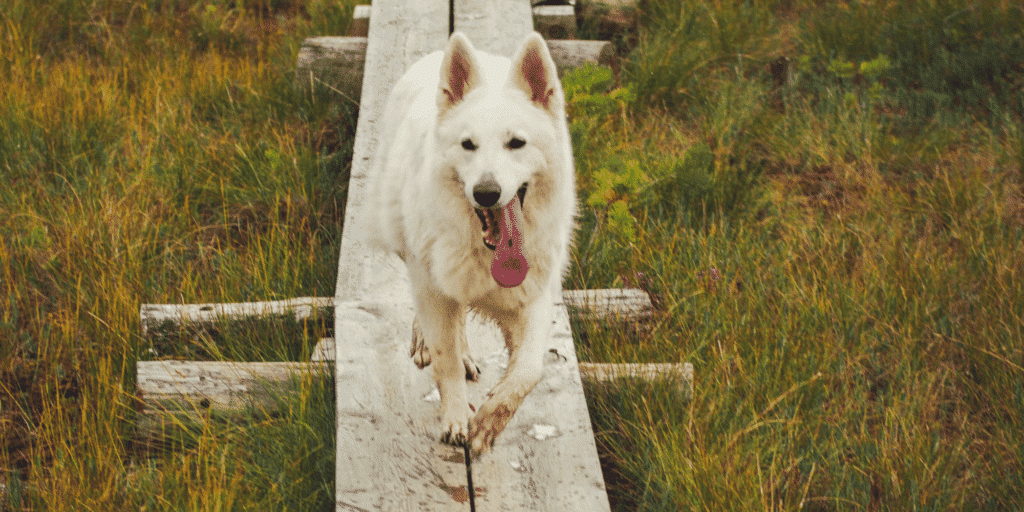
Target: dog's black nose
487,192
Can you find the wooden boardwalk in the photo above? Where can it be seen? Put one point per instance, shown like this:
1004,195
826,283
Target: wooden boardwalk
388,456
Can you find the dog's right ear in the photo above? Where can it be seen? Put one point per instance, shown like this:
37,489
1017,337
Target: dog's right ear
460,73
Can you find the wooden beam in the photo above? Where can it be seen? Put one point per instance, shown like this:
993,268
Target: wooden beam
360,26
337,63
177,397
599,372
616,302
624,303
232,385
201,385
681,373
301,307
555,21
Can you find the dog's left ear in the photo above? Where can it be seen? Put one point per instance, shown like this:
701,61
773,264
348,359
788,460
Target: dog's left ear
534,73
460,73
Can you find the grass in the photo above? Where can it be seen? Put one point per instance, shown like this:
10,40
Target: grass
156,152
839,257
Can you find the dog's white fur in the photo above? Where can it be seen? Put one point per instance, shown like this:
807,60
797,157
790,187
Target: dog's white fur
422,208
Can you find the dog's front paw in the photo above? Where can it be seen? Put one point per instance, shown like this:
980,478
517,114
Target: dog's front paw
487,424
455,426
419,352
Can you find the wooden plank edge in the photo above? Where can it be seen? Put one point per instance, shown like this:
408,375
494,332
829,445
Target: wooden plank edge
625,302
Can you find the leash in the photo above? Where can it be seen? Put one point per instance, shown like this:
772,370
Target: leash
451,17
469,477
465,445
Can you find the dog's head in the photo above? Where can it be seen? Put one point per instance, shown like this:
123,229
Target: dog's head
498,136
498,130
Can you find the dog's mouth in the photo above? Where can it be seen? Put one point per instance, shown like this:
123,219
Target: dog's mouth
502,229
490,221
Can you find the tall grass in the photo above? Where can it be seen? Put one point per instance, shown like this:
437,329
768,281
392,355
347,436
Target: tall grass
840,258
155,152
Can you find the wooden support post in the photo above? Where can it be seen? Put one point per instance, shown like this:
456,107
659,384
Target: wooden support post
555,21
360,21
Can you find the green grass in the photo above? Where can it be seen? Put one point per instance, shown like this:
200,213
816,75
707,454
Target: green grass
840,259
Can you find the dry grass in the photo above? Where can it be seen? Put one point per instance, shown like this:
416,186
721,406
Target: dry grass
155,153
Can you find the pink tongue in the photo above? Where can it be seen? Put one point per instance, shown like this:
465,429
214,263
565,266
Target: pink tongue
509,266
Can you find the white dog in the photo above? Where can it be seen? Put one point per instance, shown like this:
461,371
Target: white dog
474,187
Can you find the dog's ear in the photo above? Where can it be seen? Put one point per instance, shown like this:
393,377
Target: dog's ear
534,73
460,73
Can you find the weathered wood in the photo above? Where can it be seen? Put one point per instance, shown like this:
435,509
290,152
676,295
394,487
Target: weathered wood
334,63
601,372
571,54
231,385
337,63
177,397
175,385
624,303
360,26
389,457
555,21
302,307
682,373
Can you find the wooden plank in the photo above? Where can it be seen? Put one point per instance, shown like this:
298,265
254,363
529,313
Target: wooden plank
174,385
178,397
332,62
389,457
625,303
360,21
681,373
617,302
555,21
600,372
302,307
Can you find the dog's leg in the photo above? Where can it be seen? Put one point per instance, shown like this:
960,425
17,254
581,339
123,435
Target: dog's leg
526,332
420,353
442,323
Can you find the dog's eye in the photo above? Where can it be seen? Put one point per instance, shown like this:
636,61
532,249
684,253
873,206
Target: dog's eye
516,143
468,145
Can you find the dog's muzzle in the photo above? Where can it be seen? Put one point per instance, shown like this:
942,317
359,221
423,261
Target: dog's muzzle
502,229
489,218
